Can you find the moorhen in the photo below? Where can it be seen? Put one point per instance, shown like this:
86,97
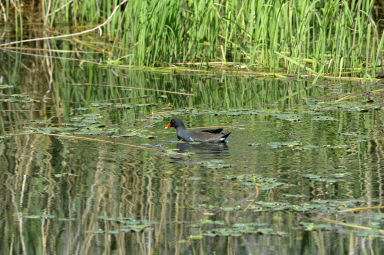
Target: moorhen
206,136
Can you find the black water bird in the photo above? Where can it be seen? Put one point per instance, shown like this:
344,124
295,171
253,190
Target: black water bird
205,136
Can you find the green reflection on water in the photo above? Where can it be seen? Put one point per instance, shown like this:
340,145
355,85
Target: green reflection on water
260,197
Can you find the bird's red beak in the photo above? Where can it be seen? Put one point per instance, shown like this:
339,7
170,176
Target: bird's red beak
169,125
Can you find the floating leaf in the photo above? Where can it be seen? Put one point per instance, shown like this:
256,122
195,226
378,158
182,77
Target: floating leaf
254,144
264,183
82,109
310,147
215,164
239,229
340,146
19,95
231,208
294,195
326,206
208,221
268,206
310,226
338,175
194,179
318,178
195,237
44,216
276,145
134,227
145,105
287,117
371,232
6,86
67,219
323,118
99,231
64,174
137,133
130,225
351,133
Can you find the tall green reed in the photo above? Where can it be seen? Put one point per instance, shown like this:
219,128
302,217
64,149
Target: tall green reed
275,35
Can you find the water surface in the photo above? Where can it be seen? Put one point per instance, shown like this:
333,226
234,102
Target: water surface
86,166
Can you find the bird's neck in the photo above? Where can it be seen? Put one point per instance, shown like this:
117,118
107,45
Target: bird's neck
181,131
181,127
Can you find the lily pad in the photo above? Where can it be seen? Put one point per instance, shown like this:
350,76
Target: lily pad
122,106
19,95
264,183
339,146
215,164
239,229
260,206
326,206
66,219
212,222
254,144
310,226
276,145
318,178
145,105
371,232
65,174
323,118
310,147
129,225
43,216
287,117
231,208
6,86
294,195
137,133
195,237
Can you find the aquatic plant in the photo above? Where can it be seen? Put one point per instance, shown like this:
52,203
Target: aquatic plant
314,37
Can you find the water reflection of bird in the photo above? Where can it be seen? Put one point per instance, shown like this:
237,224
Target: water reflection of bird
205,136
202,147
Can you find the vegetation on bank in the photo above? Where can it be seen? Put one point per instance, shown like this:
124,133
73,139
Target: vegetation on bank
313,37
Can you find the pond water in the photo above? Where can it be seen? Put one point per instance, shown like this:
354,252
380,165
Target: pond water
86,166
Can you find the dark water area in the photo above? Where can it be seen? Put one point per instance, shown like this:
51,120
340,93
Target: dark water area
86,166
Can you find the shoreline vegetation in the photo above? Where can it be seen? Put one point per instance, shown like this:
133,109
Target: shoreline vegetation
310,39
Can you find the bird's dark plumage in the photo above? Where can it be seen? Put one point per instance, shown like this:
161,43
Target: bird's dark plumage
207,136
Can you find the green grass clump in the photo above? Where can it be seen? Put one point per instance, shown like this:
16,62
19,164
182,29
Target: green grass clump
317,37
